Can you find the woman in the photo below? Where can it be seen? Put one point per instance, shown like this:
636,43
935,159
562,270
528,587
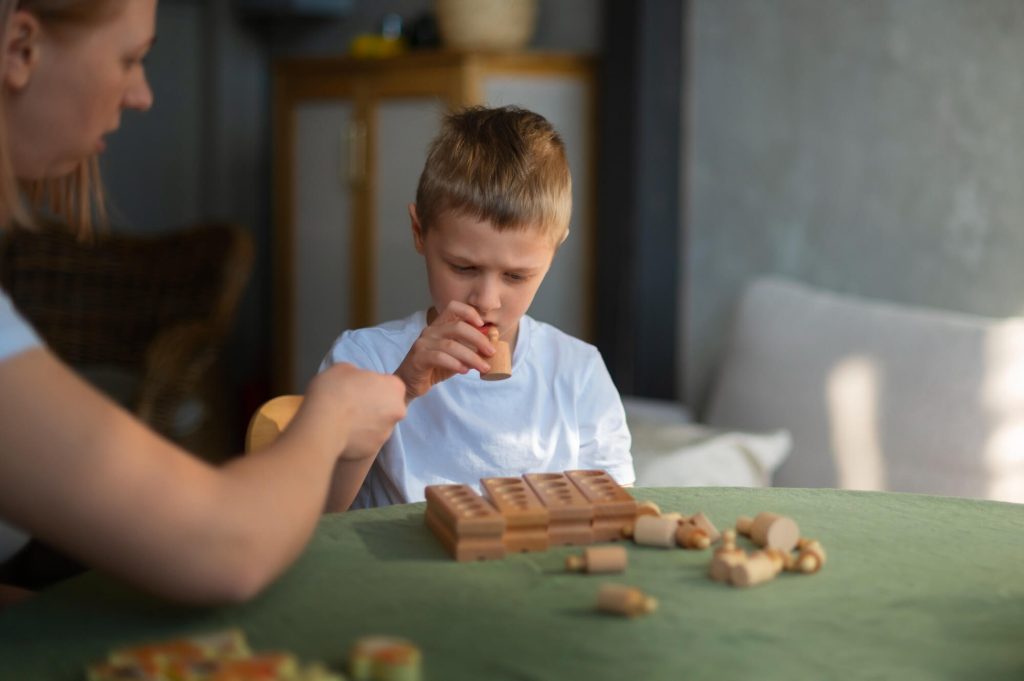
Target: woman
76,470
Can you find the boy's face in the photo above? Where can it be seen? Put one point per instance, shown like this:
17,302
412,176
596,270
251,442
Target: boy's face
470,261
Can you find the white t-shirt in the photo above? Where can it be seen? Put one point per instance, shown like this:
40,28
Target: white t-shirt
559,411
15,336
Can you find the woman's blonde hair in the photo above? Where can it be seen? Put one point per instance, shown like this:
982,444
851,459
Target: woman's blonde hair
76,199
505,165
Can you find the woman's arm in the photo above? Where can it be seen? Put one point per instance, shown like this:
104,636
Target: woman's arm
81,473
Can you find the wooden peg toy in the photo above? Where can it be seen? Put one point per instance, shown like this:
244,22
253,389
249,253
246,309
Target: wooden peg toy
758,568
811,556
677,517
614,508
598,559
625,600
689,536
654,531
501,360
770,530
703,522
726,556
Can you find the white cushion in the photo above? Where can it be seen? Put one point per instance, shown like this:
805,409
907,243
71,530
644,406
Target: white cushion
670,451
878,395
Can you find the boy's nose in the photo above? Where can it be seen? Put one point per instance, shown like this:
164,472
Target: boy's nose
486,296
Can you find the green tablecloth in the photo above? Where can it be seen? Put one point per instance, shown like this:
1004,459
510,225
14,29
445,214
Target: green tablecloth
916,587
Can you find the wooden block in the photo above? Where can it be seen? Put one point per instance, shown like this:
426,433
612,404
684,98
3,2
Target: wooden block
599,559
501,361
465,524
569,513
614,509
526,518
624,600
655,531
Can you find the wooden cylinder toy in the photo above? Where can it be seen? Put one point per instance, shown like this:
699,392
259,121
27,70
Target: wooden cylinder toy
624,600
501,361
689,536
758,568
775,531
599,559
654,531
743,525
704,523
811,557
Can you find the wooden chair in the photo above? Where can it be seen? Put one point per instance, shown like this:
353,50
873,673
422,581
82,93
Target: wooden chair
270,420
142,317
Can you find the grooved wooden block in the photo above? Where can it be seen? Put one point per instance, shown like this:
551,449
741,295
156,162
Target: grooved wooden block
614,508
463,521
526,518
570,514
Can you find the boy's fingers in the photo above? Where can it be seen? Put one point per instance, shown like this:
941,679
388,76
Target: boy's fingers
465,355
458,311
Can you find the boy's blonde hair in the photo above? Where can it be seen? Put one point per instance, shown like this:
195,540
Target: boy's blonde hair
504,165
76,199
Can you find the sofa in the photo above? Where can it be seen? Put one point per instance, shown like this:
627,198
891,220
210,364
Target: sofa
821,389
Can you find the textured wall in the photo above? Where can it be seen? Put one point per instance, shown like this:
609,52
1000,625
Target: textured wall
873,147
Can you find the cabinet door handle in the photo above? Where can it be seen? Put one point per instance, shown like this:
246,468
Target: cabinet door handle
356,152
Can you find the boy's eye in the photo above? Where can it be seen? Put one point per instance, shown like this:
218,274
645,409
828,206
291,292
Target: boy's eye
463,269
515,276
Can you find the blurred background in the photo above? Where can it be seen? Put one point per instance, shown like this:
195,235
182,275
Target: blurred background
871,147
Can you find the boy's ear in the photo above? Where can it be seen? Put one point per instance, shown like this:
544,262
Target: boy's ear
20,49
417,228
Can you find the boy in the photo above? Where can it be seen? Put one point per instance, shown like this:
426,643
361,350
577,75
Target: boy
492,208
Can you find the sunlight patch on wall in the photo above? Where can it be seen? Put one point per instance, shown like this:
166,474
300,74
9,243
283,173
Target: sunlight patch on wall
1003,395
853,390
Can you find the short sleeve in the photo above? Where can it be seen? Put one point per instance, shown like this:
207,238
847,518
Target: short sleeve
16,335
349,349
604,436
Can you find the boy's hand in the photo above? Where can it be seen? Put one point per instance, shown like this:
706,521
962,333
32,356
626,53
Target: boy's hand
451,344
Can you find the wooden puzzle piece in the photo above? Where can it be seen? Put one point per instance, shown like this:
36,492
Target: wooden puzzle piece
599,559
526,518
570,513
465,524
615,511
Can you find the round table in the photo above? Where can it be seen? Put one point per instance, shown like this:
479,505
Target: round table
916,587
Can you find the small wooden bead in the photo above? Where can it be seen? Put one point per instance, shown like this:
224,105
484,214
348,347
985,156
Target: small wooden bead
811,557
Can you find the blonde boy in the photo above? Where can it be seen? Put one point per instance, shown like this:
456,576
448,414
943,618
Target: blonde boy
492,208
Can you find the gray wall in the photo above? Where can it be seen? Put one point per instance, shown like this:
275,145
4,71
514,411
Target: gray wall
873,147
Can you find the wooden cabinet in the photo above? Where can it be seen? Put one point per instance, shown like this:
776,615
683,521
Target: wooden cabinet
351,137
